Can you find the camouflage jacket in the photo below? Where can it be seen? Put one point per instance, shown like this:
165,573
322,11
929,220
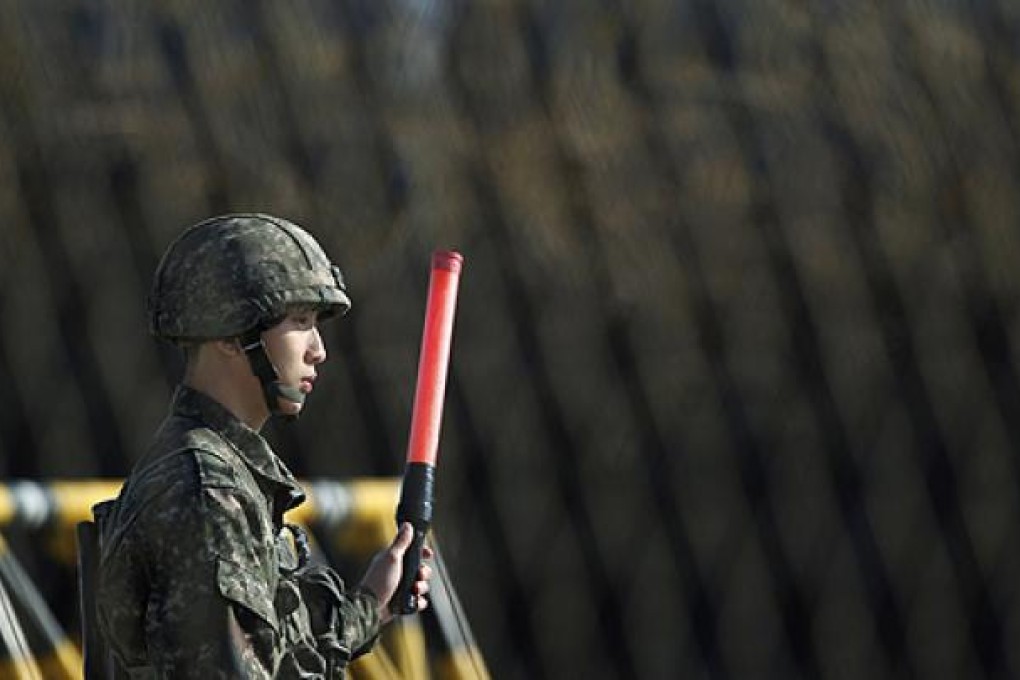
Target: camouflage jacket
197,577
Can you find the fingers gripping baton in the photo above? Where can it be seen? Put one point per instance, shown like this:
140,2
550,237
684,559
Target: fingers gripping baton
416,492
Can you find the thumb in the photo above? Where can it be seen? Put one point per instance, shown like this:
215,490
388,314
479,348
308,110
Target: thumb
403,539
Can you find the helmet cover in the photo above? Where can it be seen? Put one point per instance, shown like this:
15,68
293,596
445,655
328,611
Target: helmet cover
232,273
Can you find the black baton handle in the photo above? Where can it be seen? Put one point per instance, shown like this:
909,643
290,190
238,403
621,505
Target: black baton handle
416,508
404,600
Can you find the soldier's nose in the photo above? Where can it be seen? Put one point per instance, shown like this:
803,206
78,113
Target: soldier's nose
317,348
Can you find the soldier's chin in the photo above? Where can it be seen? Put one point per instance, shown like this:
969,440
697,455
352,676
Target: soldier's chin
288,407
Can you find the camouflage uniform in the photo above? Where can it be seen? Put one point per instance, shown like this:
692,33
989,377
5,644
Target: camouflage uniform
199,575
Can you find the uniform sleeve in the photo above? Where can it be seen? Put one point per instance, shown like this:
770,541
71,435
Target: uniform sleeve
345,623
210,611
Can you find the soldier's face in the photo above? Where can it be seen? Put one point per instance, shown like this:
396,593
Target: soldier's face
296,348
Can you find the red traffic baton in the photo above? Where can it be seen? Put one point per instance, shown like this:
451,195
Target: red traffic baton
417,488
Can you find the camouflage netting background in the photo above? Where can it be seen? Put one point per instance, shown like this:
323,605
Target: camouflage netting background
734,388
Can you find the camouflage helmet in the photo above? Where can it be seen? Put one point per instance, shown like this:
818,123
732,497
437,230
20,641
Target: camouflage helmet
232,273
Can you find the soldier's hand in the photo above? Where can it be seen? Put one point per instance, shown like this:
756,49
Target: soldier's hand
383,574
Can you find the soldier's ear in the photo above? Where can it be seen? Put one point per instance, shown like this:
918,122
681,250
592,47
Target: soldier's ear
228,346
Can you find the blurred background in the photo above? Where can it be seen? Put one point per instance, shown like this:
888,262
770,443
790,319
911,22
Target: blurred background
734,390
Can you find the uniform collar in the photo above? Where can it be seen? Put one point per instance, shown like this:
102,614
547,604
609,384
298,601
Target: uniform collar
254,449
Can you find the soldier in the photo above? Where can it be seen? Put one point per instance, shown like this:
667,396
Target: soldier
199,575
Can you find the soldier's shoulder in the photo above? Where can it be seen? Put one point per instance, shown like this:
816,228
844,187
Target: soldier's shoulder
199,456
215,461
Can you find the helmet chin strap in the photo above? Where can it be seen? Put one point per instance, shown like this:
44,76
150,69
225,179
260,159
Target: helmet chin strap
272,389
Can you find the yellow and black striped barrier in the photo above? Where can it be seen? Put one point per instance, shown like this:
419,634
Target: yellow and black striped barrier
356,517
359,505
